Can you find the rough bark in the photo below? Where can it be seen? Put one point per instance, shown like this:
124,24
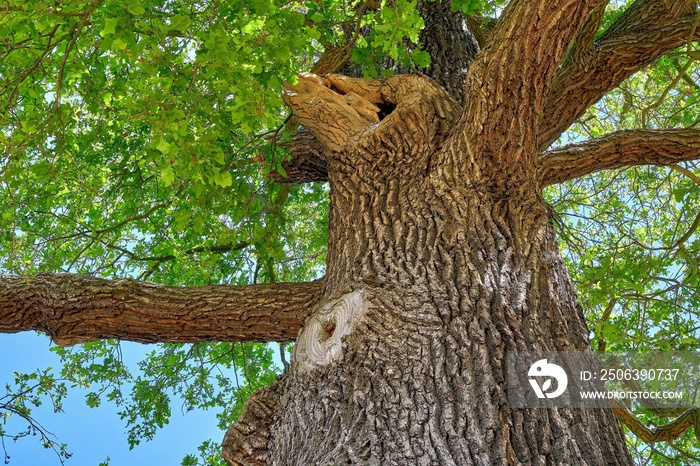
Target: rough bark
247,442
583,45
500,120
442,259
74,309
451,45
647,30
306,163
619,150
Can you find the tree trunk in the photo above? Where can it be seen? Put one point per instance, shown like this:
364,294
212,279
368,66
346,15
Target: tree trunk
449,282
433,278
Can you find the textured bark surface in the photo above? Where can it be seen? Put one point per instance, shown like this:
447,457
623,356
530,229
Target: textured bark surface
74,309
306,164
647,30
590,74
452,276
247,442
500,123
421,378
442,256
452,47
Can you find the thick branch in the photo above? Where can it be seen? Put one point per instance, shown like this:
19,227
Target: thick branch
619,150
646,31
450,43
665,433
74,309
644,15
481,28
583,46
507,83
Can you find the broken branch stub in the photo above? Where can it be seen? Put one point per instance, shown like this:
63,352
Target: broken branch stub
332,118
340,110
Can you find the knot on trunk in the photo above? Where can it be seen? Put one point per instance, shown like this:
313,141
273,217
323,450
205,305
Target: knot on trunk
402,111
321,340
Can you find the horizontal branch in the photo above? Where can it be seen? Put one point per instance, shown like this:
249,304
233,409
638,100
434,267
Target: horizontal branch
75,309
618,150
643,34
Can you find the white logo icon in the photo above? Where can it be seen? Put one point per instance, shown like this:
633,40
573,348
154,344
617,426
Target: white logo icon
551,371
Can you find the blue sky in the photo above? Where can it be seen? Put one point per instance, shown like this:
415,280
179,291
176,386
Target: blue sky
93,435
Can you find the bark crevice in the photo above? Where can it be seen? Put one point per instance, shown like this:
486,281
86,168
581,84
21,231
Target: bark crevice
246,443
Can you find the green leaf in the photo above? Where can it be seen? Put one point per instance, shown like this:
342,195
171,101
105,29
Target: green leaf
164,147
252,26
167,175
219,156
223,179
118,44
109,27
421,58
181,220
42,170
136,8
179,22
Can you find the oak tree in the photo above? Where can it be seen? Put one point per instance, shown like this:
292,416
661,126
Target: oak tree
408,229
